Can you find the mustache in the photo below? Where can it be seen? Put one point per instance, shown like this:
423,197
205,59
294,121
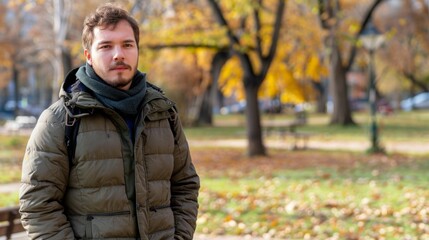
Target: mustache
119,64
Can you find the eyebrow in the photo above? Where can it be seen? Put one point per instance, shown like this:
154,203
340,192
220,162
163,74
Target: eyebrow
109,42
130,41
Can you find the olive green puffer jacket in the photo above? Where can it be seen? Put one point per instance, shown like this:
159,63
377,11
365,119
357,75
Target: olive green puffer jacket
115,189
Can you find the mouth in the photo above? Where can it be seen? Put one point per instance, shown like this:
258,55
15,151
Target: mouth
121,67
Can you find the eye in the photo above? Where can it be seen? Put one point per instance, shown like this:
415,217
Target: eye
104,46
128,45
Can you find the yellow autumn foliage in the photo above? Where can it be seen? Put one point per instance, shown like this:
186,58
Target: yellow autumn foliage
230,79
283,80
279,82
315,69
297,57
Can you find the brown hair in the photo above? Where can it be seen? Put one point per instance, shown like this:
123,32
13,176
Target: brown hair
106,16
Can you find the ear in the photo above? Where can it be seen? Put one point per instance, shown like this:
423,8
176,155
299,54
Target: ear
87,54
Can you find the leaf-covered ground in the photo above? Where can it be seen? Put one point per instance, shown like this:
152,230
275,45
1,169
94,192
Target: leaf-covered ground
313,195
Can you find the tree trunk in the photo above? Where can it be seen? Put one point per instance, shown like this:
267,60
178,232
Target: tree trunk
4,95
16,97
62,11
321,96
254,130
205,116
220,58
67,60
338,85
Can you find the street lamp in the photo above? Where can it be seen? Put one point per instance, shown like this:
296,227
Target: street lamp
372,39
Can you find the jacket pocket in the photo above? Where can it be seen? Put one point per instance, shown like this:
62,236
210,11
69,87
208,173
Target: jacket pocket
90,217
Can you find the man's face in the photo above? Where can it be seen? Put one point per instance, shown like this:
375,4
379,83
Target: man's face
114,54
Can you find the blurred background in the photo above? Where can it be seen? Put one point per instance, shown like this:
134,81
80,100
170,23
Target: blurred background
314,57
347,81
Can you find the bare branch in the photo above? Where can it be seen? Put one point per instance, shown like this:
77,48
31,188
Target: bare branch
257,20
222,21
327,12
185,45
275,37
365,21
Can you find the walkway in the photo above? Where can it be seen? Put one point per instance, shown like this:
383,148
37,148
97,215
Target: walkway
404,147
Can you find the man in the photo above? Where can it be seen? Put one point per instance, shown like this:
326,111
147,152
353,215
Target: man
130,174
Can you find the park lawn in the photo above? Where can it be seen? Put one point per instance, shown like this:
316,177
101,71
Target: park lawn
301,195
9,199
11,153
309,194
398,127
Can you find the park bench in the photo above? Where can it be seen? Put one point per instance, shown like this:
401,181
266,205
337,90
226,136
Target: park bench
10,222
289,129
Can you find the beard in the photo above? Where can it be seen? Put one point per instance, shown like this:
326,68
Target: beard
121,82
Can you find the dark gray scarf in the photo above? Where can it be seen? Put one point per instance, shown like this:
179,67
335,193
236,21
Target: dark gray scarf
124,101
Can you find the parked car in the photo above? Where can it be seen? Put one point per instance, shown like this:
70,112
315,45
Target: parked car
266,106
419,101
384,107
233,108
23,108
20,123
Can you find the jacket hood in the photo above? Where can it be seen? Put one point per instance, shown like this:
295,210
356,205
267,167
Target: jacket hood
77,96
68,82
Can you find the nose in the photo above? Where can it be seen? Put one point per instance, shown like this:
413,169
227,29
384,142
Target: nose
118,54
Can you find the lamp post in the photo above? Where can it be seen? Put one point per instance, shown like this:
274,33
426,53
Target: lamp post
372,39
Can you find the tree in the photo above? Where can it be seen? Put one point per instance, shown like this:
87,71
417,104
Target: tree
297,66
181,27
330,18
407,49
296,62
185,77
13,43
254,72
4,59
62,10
37,32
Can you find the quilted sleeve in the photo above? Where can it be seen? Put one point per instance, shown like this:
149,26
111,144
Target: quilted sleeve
44,179
185,185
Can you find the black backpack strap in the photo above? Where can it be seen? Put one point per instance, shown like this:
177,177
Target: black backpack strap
71,130
172,121
72,122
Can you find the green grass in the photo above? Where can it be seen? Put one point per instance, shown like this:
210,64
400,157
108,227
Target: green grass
401,126
11,154
10,173
9,199
364,201
216,132
12,142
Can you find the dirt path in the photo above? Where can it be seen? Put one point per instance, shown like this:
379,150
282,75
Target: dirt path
404,147
9,187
